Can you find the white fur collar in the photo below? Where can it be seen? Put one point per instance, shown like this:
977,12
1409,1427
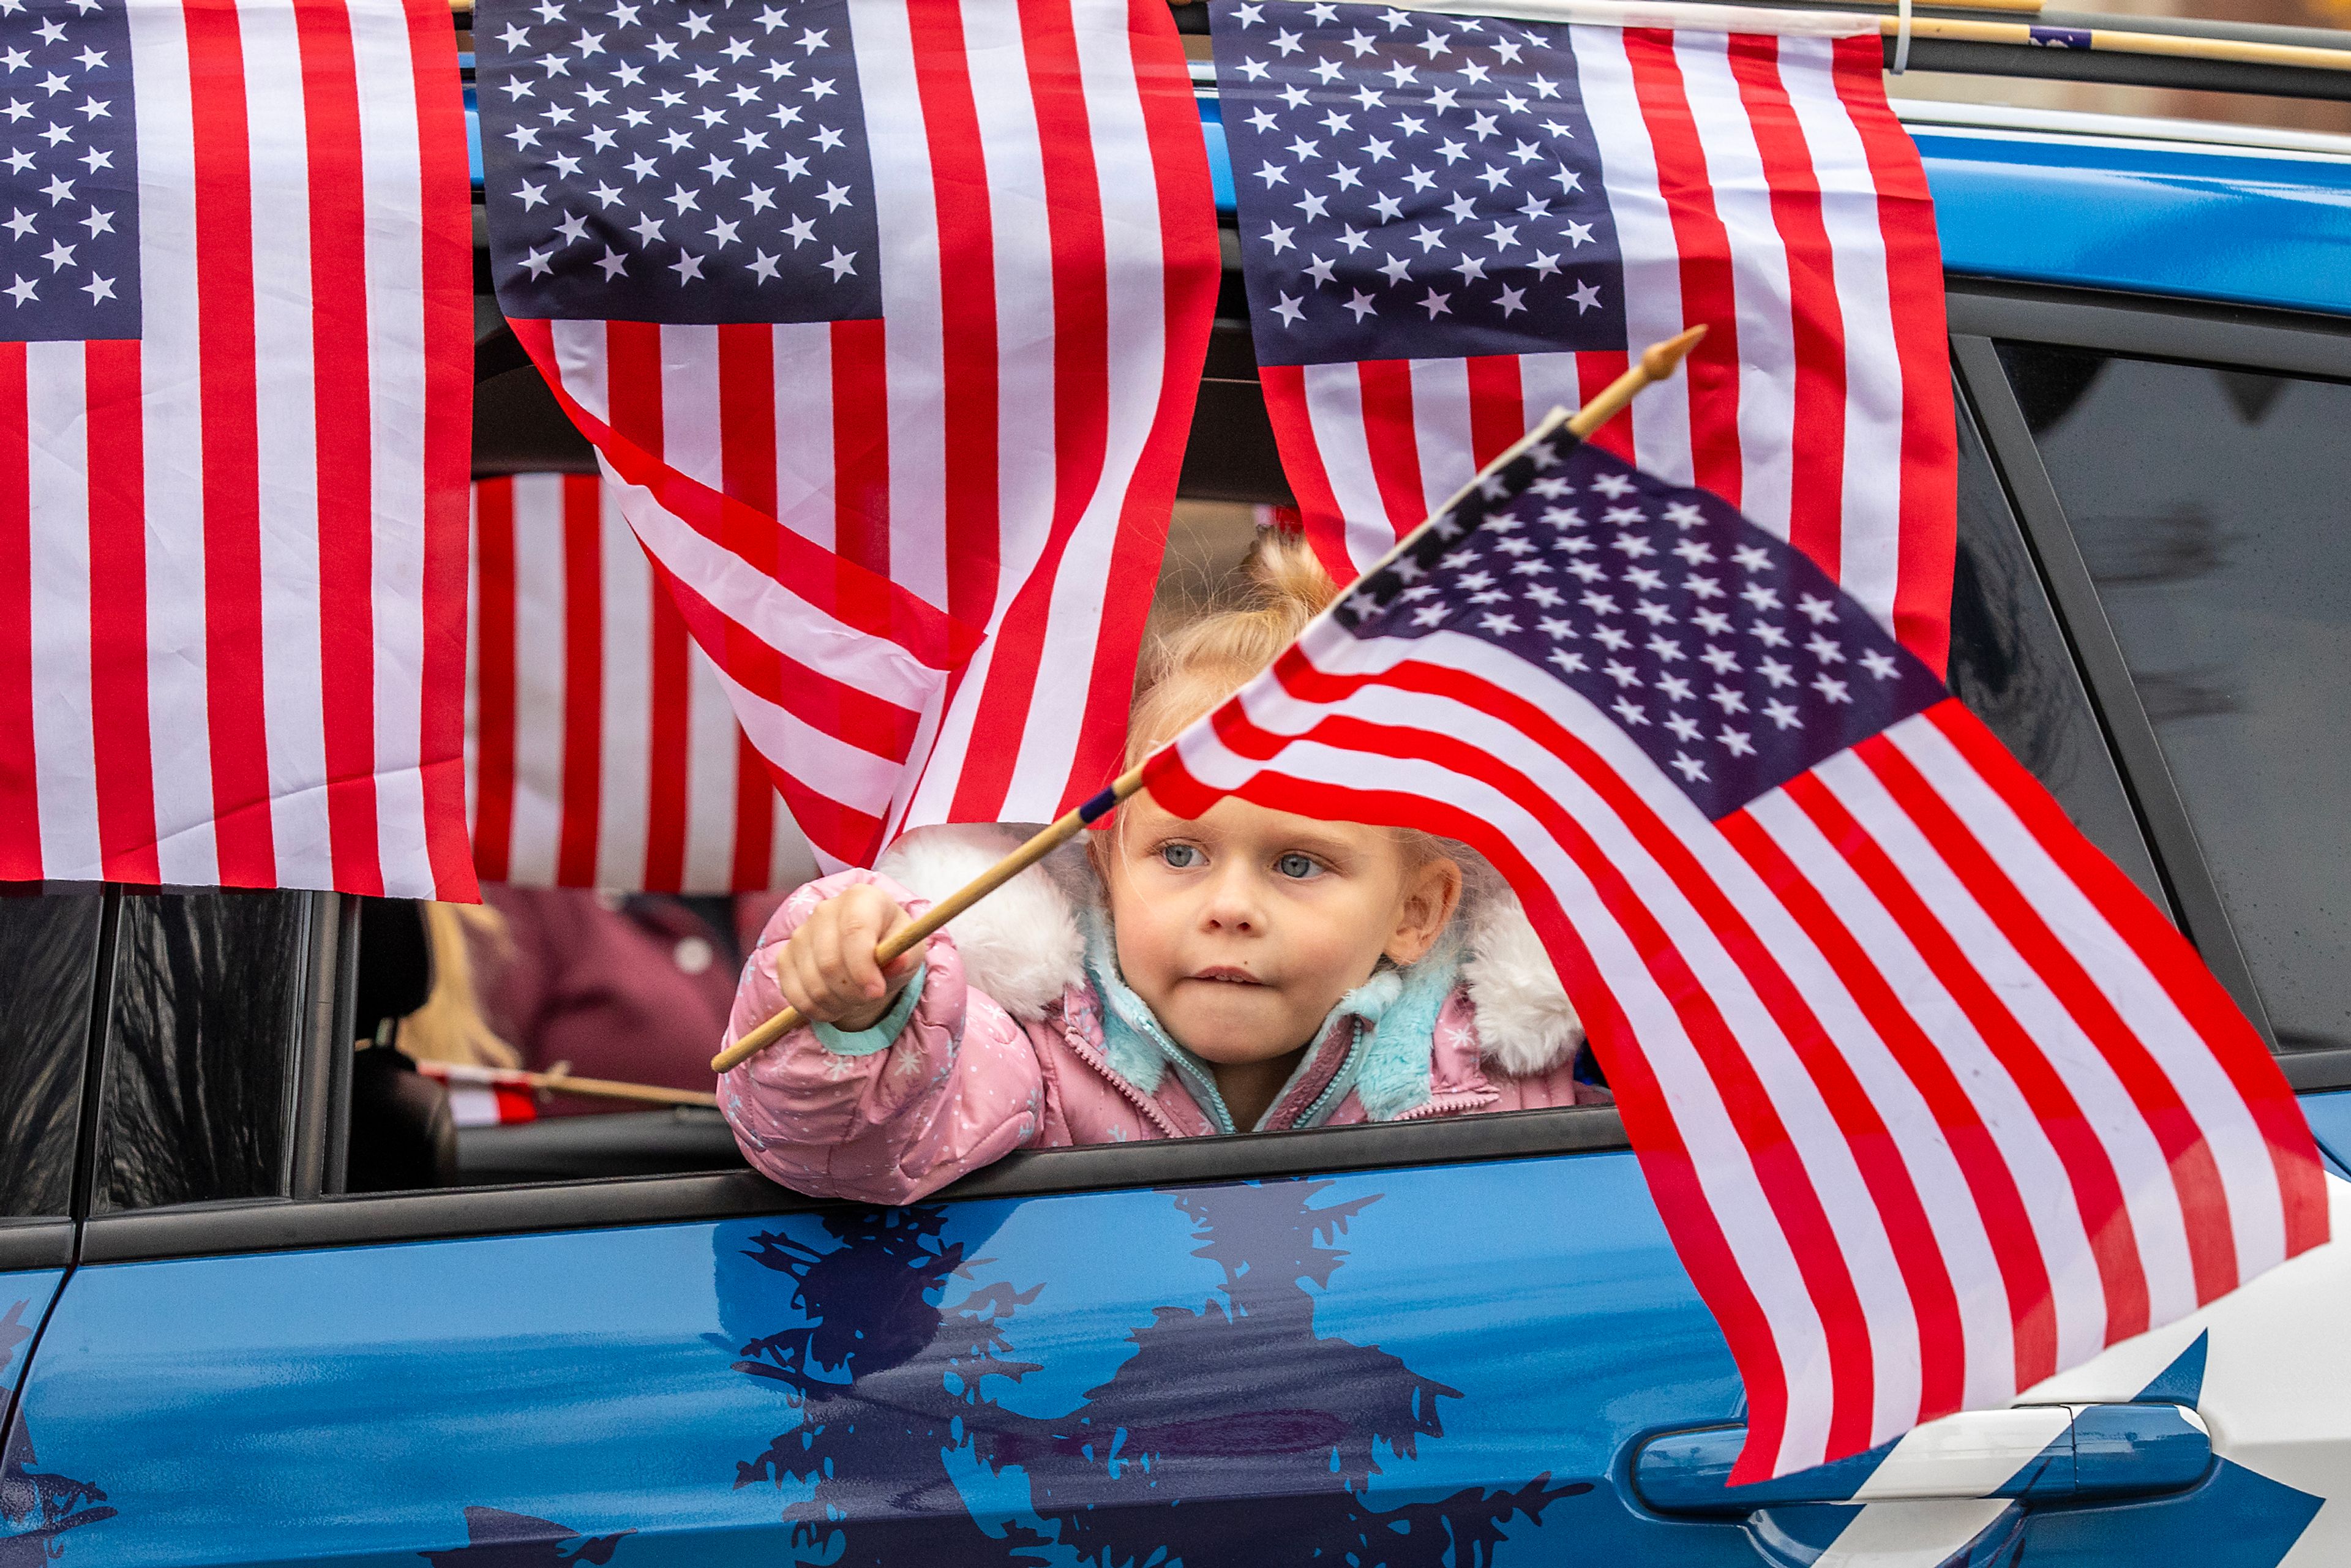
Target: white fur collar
1023,946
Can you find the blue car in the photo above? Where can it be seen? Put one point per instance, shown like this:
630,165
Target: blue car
604,1341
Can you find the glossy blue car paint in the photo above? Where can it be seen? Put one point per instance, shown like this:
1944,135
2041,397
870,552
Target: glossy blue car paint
1317,1361
2123,1448
1220,157
2330,1122
2197,222
24,1297
473,128
36,1507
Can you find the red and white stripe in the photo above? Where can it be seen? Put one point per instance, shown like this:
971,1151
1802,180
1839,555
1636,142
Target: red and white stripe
483,1096
979,482
602,750
1934,1103
232,552
1760,184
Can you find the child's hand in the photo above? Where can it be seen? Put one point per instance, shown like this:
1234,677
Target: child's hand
827,970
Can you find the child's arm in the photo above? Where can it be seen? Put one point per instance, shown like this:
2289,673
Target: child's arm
826,969
940,1081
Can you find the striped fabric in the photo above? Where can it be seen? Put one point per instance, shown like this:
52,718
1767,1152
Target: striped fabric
1934,1102
912,505
601,750
1758,184
483,1096
232,437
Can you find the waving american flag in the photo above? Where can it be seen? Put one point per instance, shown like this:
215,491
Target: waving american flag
602,750
233,446
886,319
1933,1101
1451,223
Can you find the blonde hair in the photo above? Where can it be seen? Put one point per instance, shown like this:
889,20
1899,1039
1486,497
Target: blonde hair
450,1027
1188,670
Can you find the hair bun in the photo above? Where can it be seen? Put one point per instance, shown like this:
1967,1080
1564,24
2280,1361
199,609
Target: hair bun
1288,577
1188,670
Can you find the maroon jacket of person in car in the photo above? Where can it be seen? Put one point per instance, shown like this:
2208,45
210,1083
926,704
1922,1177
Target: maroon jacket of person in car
635,987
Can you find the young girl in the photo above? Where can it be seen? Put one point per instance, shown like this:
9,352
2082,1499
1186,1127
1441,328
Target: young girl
1251,970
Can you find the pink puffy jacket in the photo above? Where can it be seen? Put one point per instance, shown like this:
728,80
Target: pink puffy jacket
1020,1035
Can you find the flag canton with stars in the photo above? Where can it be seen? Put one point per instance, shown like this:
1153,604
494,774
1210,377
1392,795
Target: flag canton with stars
661,160
68,172
1414,185
1727,654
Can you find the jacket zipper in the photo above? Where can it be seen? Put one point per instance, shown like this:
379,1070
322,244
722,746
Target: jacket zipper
1339,1081
1134,1096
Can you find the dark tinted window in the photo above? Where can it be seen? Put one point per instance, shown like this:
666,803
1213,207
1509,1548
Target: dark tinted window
208,993
2010,663
49,946
2213,509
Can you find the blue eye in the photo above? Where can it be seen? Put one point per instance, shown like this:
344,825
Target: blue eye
1180,857
1297,866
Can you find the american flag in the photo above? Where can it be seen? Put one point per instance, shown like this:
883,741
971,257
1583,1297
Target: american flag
886,319
602,750
1450,225
483,1096
234,396
1933,1101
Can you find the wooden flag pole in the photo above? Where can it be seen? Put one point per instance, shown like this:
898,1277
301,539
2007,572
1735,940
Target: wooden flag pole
561,1082
1659,362
2115,41
1656,362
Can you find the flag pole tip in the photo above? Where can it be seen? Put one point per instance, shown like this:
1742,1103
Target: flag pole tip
1660,360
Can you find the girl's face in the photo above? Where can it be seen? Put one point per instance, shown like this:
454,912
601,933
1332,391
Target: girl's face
1243,929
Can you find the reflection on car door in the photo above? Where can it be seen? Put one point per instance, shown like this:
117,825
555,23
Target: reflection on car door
1450,1365
1423,1366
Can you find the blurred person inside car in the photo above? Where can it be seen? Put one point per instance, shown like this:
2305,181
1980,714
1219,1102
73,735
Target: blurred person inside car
634,987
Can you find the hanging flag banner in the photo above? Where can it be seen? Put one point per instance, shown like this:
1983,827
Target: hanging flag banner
1934,1103
235,410
601,750
886,322
1450,224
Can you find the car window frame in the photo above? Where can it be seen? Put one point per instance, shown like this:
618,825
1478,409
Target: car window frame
313,1216
2137,857
316,1216
318,1099
49,1242
1982,314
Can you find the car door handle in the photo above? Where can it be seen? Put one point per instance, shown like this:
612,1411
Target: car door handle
2044,1452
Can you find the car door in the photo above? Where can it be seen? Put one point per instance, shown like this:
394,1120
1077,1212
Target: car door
1409,1363
1423,1342
1378,1362
1461,1342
